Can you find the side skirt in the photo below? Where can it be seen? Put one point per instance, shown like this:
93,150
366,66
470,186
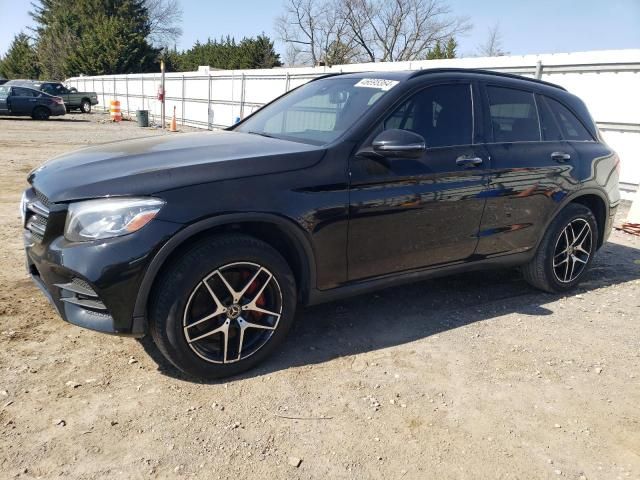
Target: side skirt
360,287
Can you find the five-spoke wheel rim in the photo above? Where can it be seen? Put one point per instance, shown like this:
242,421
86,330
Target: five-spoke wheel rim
572,251
232,313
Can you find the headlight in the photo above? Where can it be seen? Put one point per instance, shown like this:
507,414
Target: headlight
109,217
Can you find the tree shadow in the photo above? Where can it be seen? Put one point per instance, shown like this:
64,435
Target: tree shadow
403,314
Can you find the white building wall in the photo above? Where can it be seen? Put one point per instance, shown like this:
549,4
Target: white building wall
608,81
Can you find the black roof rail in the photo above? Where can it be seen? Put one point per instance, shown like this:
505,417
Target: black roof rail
483,72
327,75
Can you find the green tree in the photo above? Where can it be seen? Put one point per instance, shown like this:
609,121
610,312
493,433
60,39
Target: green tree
450,49
227,54
93,37
259,52
443,50
20,60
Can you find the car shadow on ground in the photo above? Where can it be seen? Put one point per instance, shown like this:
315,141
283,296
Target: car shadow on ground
63,119
407,313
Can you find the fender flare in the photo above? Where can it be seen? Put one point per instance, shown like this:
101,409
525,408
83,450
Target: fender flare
567,200
294,233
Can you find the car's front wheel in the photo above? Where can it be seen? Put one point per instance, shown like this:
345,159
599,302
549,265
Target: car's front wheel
566,251
223,306
85,106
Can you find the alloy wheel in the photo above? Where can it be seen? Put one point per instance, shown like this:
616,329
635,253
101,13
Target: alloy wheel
573,250
232,313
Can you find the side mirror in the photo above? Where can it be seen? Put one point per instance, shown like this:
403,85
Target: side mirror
73,90
399,143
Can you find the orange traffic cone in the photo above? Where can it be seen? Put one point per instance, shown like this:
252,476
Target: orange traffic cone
173,127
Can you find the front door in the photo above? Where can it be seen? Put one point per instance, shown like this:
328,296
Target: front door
410,214
23,100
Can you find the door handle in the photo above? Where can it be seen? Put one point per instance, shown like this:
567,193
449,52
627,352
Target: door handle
464,161
560,157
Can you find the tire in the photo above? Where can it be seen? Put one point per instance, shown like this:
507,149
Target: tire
192,289
85,106
554,269
40,113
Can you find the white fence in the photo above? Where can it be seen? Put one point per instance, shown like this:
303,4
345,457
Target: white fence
608,81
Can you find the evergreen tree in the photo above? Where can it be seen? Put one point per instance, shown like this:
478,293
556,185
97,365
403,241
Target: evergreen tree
442,51
20,60
450,48
93,37
259,52
226,54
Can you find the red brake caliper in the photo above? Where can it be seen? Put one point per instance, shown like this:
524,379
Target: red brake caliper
260,301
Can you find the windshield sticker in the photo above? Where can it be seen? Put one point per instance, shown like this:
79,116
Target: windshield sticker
379,83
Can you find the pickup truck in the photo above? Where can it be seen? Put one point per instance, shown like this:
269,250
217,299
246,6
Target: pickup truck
73,99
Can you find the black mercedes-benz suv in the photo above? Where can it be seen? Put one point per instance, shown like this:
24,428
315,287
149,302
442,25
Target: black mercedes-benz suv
347,184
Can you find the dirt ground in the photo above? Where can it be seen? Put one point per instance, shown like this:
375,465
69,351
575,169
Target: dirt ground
471,376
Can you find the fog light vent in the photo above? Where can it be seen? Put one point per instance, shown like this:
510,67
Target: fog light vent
79,292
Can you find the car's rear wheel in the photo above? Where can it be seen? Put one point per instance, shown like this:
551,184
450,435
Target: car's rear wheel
223,306
40,113
566,251
85,106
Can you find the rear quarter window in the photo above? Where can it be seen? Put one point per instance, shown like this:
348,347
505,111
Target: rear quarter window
570,126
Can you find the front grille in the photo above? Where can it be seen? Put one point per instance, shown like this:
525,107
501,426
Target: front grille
44,200
37,216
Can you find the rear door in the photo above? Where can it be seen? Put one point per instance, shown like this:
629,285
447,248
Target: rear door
414,213
23,100
531,170
5,91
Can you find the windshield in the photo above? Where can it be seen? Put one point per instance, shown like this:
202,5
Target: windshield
318,112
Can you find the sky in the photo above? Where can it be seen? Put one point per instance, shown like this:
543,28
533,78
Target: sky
527,26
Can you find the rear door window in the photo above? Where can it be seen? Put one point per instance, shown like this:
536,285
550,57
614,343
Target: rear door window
514,116
571,127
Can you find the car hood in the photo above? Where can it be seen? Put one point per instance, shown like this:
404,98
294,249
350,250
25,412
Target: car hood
154,164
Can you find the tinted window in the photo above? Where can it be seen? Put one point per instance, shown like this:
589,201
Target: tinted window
441,114
550,130
24,92
48,88
318,112
514,117
571,127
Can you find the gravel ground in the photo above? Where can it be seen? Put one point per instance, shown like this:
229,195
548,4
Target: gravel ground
471,376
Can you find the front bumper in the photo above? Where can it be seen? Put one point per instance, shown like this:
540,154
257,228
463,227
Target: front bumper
108,272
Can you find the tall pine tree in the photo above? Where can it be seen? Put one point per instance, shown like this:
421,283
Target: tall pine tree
93,37
20,60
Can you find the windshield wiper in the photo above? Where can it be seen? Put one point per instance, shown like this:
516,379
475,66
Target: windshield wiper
262,134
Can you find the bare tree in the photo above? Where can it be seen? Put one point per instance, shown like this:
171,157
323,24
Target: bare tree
315,30
492,46
400,30
165,18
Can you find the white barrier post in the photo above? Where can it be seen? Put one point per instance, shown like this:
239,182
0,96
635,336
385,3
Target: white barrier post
634,212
